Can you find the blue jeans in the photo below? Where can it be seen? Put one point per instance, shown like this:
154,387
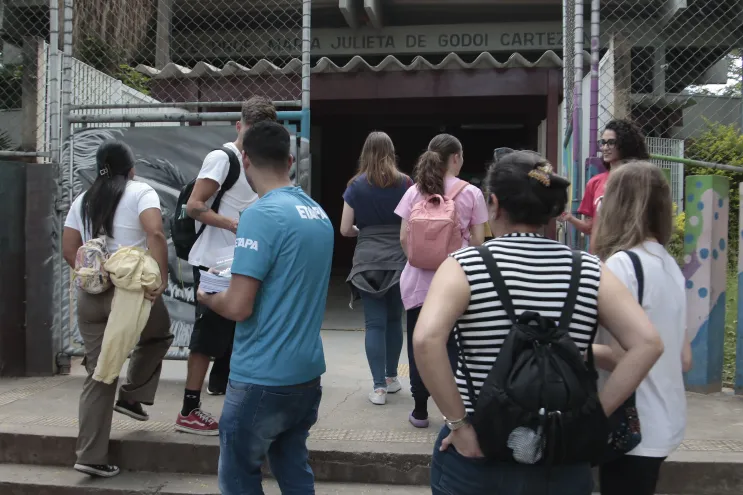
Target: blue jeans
274,422
454,474
383,317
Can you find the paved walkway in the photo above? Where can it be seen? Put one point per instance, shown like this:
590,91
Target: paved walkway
715,422
348,423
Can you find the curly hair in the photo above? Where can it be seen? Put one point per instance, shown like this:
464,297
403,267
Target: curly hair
630,140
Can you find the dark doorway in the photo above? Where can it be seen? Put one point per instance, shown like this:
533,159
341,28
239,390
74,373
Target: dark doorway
481,124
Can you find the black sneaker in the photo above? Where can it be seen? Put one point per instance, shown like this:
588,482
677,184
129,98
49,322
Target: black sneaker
134,411
100,470
215,391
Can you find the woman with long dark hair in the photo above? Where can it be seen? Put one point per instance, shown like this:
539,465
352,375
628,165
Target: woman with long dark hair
536,275
369,214
122,213
436,174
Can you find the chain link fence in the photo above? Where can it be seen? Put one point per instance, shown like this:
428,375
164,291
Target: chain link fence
27,81
74,73
674,68
184,56
146,61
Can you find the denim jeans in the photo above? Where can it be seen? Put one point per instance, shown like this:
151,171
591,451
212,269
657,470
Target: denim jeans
383,317
454,474
274,422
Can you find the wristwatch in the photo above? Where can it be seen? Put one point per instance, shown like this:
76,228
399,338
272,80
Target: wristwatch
455,425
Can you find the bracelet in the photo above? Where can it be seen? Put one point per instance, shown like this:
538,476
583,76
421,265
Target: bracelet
447,420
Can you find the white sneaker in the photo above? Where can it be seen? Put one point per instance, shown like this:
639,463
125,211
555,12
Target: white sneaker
393,385
378,397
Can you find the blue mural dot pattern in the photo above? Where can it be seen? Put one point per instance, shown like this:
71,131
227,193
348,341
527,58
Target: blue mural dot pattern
722,244
689,284
699,184
702,292
690,198
719,202
717,216
704,253
690,238
715,254
700,206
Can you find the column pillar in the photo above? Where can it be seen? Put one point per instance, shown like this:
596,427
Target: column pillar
705,270
739,330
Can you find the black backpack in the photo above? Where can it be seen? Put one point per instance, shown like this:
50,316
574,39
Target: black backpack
183,227
539,403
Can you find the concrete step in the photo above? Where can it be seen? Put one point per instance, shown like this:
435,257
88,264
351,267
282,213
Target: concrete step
18,479
51,450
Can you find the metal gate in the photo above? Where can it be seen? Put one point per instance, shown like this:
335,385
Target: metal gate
169,131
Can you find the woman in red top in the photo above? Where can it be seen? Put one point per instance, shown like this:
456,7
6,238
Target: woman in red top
620,142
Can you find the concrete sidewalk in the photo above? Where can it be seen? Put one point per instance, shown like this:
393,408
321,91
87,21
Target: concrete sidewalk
353,441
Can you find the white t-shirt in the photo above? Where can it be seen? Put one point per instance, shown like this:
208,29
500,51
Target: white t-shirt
214,240
128,231
661,398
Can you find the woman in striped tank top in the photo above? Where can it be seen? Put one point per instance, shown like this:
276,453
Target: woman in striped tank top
523,196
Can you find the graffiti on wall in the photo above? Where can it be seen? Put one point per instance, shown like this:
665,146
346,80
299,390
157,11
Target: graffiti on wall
167,159
705,271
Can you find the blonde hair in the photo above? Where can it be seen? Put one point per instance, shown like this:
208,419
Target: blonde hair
637,206
378,161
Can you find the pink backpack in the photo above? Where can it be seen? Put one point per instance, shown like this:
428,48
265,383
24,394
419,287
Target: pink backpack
433,229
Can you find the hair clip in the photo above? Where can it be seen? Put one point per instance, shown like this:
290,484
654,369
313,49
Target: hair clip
105,172
540,175
545,167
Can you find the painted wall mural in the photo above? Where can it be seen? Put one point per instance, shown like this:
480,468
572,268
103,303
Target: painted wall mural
705,269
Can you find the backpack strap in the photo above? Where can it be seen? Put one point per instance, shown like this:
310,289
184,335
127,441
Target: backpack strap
505,298
232,175
497,278
461,185
572,296
639,273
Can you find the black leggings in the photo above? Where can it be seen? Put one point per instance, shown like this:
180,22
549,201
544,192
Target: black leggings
418,389
630,474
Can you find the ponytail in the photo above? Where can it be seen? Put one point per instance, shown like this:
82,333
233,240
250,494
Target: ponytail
433,165
430,172
114,160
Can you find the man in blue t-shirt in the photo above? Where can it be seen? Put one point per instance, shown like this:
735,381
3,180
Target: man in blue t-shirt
277,296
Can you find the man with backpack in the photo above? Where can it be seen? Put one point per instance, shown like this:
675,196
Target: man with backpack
218,196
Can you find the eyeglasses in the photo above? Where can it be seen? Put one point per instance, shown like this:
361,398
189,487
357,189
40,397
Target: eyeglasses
610,143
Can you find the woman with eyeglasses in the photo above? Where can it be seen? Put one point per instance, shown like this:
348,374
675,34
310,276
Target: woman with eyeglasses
620,142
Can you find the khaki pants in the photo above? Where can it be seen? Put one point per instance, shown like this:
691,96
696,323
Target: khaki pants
142,377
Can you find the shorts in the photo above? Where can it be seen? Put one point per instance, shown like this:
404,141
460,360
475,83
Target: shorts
212,334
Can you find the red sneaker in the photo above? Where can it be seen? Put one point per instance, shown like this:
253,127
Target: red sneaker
197,423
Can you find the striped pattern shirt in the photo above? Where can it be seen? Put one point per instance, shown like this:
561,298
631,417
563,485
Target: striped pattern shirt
537,273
